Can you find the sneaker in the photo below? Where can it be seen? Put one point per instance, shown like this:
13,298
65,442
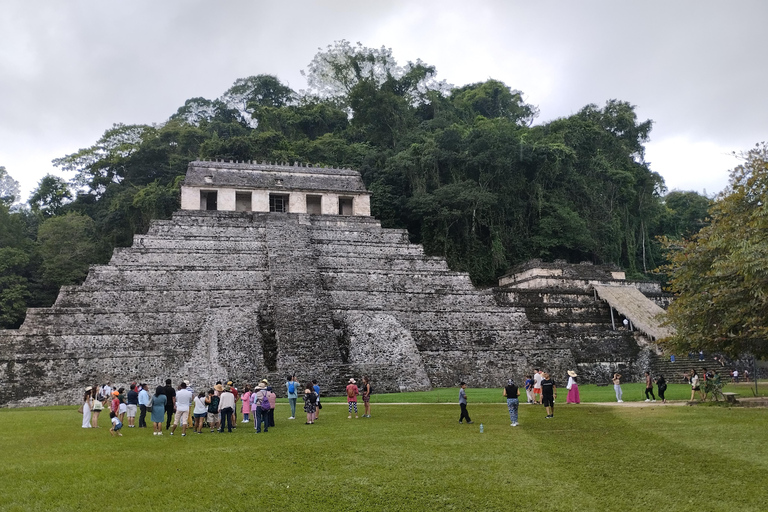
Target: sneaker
244,421
648,400
350,417
470,422
514,424
183,435
653,400
159,433
621,401
154,433
171,433
460,423
292,418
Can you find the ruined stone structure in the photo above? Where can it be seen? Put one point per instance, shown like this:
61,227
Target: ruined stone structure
239,292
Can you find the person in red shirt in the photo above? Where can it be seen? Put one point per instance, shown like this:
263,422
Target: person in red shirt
352,392
115,405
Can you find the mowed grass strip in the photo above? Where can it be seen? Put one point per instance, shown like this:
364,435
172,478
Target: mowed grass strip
407,457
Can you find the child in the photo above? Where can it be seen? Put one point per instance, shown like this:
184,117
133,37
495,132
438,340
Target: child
309,403
116,425
529,388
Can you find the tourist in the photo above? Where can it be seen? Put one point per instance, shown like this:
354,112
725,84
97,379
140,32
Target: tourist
114,405
310,402
159,402
272,397
132,406
573,389
246,407
86,406
694,384
212,400
260,407
736,376
367,396
116,425
200,412
661,385
122,406
701,355
746,375
511,391
617,387
537,378
548,395
98,406
352,392
170,404
143,402
236,394
106,390
529,388
226,406
318,405
182,404
463,403
292,387
649,388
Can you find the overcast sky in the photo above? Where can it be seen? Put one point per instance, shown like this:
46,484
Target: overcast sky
69,70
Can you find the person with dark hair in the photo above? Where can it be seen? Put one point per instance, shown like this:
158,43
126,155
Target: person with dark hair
537,378
548,395
116,425
86,407
98,406
212,401
132,405
226,406
661,385
310,402
318,406
245,406
694,384
292,388
200,412
463,404
649,387
159,402
617,387
183,402
170,405
122,406
367,396
512,392
529,388
143,402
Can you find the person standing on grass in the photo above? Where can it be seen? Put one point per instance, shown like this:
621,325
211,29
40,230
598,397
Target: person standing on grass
573,389
86,407
226,406
649,387
367,396
159,402
122,404
235,393
212,400
201,411
617,387
694,384
170,404
132,405
184,399
316,389
292,388
98,406
537,378
463,403
661,385
143,401
246,407
272,397
310,401
529,388
548,395
114,404
512,392
257,401
352,392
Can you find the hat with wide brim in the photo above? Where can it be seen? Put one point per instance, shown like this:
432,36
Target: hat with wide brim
352,381
89,388
572,373
218,387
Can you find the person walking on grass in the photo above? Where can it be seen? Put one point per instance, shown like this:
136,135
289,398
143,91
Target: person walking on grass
352,392
617,387
573,389
548,395
183,402
649,388
661,385
292,388
159,402
310,400
367,396
512,392
463,404
116,425
200,412
86,406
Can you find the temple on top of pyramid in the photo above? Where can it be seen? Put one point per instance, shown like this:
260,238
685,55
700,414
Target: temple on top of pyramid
254,187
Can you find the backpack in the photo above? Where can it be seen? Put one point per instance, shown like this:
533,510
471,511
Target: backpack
265,402
291,388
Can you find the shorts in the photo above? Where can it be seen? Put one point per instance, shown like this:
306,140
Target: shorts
366,399
122,409
213,417
117,427
536,391
201,414
697,388
132,411
548,401
181,417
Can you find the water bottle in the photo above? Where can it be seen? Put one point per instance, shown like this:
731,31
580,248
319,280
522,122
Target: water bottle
481,428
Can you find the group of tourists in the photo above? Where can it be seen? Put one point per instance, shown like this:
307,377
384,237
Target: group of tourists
215,408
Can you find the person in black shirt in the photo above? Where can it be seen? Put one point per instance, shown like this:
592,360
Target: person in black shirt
511,391
548,395
133,405
170,405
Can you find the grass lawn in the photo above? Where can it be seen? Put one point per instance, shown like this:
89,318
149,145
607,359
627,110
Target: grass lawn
407,457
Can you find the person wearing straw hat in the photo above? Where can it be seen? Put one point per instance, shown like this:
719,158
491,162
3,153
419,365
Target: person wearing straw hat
85,408
573,388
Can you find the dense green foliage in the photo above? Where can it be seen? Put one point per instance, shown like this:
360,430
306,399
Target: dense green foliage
406,457
464,169
721,272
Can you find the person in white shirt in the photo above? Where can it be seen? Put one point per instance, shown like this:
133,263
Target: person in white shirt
183,402
226,406
537,378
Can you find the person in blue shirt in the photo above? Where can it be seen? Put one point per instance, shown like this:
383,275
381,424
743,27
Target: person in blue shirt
292,388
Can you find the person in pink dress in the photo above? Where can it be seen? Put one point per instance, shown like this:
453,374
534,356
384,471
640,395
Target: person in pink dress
247,404
573,388
352,392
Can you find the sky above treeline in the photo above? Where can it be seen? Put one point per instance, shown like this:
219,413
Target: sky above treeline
69,70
